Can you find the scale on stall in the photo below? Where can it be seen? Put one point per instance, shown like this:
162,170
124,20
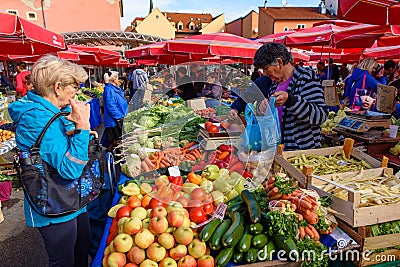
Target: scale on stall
365,120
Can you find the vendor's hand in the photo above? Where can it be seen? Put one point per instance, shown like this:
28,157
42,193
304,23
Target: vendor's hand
281,98
233,115
80,114
96,135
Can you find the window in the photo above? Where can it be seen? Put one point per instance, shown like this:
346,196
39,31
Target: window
157,16
180,27
285,29
191,27
31,15
191,19
11,11
301,26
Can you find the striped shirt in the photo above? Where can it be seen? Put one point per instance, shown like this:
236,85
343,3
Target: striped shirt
303,119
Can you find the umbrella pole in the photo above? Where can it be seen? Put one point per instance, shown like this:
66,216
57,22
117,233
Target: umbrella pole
90,80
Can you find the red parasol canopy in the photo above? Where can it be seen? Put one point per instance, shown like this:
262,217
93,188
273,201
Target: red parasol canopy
215,44
275,37
19,36
379,12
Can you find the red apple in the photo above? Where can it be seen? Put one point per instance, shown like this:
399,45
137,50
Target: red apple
136,255
175,218
166,240
134,202
183,200
139,212
197,248
183,235
123,243
158,225
116,259
131,265
132,226
168,262
148,263
158,211
205,261
145,223
124,211
144,238
156,252
178,252
187,261
121,223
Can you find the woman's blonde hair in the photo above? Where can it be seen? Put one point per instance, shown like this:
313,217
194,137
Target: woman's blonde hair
49,70
367,64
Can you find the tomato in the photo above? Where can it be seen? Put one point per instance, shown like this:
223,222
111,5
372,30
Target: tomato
198,193
124,211
208,208
134,202
154,202
224,124
208,124
197,215
213,129
196,203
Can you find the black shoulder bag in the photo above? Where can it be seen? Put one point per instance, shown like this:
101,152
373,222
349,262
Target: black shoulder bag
46,191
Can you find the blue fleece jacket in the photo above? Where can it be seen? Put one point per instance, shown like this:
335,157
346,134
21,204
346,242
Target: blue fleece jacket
67,154
115,105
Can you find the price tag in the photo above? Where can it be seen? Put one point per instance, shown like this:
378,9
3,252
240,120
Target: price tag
330,93
342,163
249,184
219,213
386,98
174,171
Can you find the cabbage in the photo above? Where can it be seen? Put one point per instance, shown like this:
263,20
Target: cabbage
133,149
142,138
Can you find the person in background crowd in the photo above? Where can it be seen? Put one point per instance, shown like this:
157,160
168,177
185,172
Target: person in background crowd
106,76
198,78
332,71
124,79
139,83
169,85
56,81
344,71
360,78
213,90
22,72
185,88
389,71
256,74
4,81
299,97
115,110
28,83
321,74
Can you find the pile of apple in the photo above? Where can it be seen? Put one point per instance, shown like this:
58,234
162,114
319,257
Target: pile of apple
147,232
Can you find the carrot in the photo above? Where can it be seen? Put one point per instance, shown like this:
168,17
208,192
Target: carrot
301,202
270,186
311,218
275,203
190,157
144,166
304,211
302,233
293,206
276,196
271,180
285,196
149,163
299,216
188,145
153,156
272,192
315,232
309,232
165,162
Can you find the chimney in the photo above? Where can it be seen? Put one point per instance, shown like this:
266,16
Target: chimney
323,7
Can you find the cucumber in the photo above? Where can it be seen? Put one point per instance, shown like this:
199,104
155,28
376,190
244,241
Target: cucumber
237,199
209,229
238,257
245,242
239,206
256,228
252,206
285,243
271,249
259,241
215,241
232,236
223,257
252,255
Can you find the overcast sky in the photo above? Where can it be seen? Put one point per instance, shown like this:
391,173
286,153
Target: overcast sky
232,9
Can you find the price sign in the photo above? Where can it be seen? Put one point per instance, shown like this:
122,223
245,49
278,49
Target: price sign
386,98
249,184
174,171
330,93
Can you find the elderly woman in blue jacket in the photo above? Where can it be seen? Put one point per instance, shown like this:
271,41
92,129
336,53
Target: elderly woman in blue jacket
361,78
115,109
64,147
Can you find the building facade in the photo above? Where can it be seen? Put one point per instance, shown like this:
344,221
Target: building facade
246,26
64,16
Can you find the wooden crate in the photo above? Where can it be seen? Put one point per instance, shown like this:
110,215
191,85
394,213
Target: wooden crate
302,176
350,210
362,235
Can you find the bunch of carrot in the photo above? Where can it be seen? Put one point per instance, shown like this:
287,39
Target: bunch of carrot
273,191
306,206
170,157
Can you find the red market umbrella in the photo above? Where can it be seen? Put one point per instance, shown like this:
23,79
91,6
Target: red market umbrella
215,44
155,49
19,36
102,56
275,37
356,36
378,12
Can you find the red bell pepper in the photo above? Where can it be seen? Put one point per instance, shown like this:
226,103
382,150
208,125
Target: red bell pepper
222,164
247,174
232,159
226,148
223,155
237,167
176,180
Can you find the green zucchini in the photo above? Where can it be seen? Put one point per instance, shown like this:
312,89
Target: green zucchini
252,206
232,236
252,255
215,241
223,257
245,242
259,241
238,257
237,199
209,229
285,243
256,228
239,206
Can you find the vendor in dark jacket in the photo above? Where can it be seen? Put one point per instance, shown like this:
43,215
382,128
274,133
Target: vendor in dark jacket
185,88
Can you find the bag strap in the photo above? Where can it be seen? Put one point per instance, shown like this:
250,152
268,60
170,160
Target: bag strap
36,146
363,83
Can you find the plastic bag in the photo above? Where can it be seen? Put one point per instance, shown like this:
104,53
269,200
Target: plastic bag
262,132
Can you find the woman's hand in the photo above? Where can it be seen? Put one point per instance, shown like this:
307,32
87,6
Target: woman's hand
80,114
281,98
233,115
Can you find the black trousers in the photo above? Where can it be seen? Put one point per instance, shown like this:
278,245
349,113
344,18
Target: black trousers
67,244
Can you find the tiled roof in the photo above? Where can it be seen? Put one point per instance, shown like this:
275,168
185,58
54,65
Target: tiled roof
279,13
186,18
128,29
